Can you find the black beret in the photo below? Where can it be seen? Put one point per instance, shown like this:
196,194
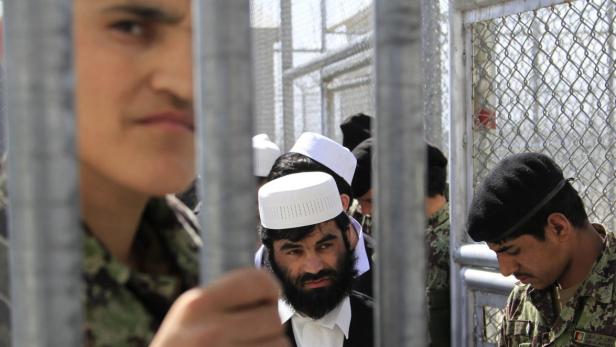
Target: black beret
436,158
355,129
511,194
362,178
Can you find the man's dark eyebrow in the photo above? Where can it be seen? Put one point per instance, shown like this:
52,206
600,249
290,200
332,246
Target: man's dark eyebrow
146,12
503,249
289,245
326,238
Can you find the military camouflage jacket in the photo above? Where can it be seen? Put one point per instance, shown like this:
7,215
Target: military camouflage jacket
437,277
588,319
124,307
437,242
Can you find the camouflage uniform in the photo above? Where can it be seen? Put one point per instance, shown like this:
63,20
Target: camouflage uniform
437,277
588,319
123,306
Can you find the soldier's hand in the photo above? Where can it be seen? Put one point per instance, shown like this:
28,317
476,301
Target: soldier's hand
240,309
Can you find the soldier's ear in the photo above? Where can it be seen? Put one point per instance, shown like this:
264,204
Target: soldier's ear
559,225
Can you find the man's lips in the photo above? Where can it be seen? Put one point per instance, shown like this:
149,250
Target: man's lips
523,278
323,282
172,119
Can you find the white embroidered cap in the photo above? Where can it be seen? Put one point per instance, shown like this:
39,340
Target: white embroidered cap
327,152
298,200
265,154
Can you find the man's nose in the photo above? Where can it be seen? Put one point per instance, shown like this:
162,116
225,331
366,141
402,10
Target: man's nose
313,263
506,265
173,71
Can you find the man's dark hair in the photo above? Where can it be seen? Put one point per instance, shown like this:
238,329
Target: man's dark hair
268,236
290,163
437,171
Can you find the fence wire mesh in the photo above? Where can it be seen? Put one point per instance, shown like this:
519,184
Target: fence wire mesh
491,321
435,50
349,94
544,81
265,22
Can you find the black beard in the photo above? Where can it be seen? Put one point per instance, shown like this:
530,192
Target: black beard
316,303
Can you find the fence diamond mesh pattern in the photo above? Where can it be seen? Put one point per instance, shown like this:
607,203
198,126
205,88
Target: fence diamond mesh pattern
492,317
265,22
544,81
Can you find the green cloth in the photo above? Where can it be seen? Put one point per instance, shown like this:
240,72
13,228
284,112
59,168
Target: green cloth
123,306
588,319
437,277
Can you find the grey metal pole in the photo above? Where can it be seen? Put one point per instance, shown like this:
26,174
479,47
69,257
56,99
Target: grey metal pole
460,167
288,97
323,85
400,182
224,92
45,234
432,34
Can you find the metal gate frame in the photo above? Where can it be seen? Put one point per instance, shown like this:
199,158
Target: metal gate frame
475,280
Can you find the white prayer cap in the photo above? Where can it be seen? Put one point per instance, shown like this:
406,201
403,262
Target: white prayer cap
298,200
265,154
327,152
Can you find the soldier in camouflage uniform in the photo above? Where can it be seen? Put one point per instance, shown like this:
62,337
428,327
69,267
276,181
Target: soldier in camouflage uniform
136,146
535,221
437,249
436,238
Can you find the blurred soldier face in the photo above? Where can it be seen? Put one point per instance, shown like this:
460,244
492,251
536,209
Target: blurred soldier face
530,260
134,93
317,271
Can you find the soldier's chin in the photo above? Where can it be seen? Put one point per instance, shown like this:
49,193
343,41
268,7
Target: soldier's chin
538,285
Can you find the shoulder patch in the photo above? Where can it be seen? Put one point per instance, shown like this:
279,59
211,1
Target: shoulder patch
592,339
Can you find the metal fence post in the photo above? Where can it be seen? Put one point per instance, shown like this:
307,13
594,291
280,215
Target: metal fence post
432,48
45,233
224,92
459,167
400,187
288,95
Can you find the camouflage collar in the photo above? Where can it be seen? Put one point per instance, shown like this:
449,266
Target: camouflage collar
439,217
164,216
598,286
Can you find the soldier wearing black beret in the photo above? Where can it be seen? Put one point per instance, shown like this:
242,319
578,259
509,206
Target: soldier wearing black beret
535,221
437,232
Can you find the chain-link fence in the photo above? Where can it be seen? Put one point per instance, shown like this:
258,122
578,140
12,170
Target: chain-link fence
540,79
543,81
328,70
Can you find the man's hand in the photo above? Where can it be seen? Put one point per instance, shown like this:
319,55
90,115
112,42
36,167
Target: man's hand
240,309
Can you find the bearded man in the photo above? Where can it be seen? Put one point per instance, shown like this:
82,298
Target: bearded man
306,233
